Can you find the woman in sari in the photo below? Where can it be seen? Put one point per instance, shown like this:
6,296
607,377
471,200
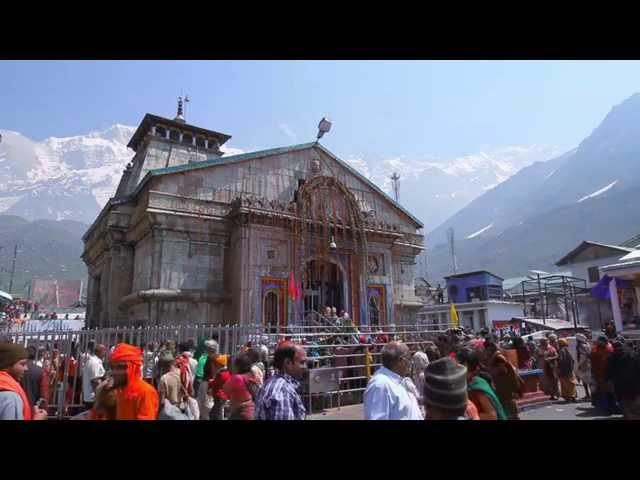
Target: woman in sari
599,358
524,356
487,354
565,372
53,370
583,369
547,359
508,383
481,392
242,388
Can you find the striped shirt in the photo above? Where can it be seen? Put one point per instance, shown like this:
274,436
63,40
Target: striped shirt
279,399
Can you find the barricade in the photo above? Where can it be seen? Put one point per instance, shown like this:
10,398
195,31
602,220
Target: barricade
352,352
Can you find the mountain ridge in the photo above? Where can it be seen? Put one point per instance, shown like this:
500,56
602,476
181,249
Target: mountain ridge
548,208
74,176
46,249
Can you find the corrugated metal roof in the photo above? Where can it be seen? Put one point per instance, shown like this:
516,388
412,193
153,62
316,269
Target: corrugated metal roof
510,283
241,157
633,242
552,323
468,274
371,184
266,153
587,243
6,296
631,256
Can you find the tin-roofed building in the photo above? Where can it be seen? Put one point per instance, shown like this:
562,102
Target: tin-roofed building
624,286
590,261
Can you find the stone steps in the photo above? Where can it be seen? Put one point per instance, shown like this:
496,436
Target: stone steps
533,400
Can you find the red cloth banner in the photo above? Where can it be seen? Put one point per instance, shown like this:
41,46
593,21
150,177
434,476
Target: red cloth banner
293,287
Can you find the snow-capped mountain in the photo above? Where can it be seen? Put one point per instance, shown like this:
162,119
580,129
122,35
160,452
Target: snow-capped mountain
63,178
434,189
536,216
73,177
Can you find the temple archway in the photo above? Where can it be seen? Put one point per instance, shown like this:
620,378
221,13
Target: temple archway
325,284
271,313
374,312
329,223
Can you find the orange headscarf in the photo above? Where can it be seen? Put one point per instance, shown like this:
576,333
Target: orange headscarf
126,353
221,360
137,400
9,384
132,356
183,363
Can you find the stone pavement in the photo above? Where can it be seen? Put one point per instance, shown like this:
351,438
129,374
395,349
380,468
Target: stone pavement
350,412
561,410
558,410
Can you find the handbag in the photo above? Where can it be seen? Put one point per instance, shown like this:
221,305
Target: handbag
191,408
171,412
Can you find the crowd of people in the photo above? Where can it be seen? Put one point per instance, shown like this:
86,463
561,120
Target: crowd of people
480,377
458,375
457,383
19,311
165,382
11,312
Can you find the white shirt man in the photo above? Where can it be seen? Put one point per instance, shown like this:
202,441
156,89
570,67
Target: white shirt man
93,370
387,396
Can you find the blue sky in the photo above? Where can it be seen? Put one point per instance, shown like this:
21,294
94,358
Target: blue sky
379,108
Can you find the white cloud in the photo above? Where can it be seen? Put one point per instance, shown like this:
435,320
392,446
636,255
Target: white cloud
288,132
360,164
228,151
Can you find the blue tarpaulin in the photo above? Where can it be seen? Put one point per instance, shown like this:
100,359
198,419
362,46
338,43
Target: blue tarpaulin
601,290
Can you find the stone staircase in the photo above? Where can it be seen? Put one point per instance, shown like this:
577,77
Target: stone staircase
533,400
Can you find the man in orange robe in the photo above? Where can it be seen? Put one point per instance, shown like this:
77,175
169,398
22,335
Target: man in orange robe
136,399
14,402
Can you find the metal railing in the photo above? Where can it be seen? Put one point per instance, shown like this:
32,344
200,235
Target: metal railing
62,354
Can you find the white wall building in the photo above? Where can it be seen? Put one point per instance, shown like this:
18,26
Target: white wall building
626,268
474,315
585,260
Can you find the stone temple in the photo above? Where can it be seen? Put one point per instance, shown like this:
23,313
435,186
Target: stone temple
261,238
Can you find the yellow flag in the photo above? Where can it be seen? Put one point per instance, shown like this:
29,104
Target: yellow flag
368,360
454,316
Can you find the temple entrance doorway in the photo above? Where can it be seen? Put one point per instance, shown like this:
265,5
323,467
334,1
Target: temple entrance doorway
324,286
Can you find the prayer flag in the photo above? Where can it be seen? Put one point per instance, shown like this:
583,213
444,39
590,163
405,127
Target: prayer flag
295,291
455,322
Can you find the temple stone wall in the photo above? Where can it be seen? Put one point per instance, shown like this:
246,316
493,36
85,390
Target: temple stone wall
142,265
191,265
